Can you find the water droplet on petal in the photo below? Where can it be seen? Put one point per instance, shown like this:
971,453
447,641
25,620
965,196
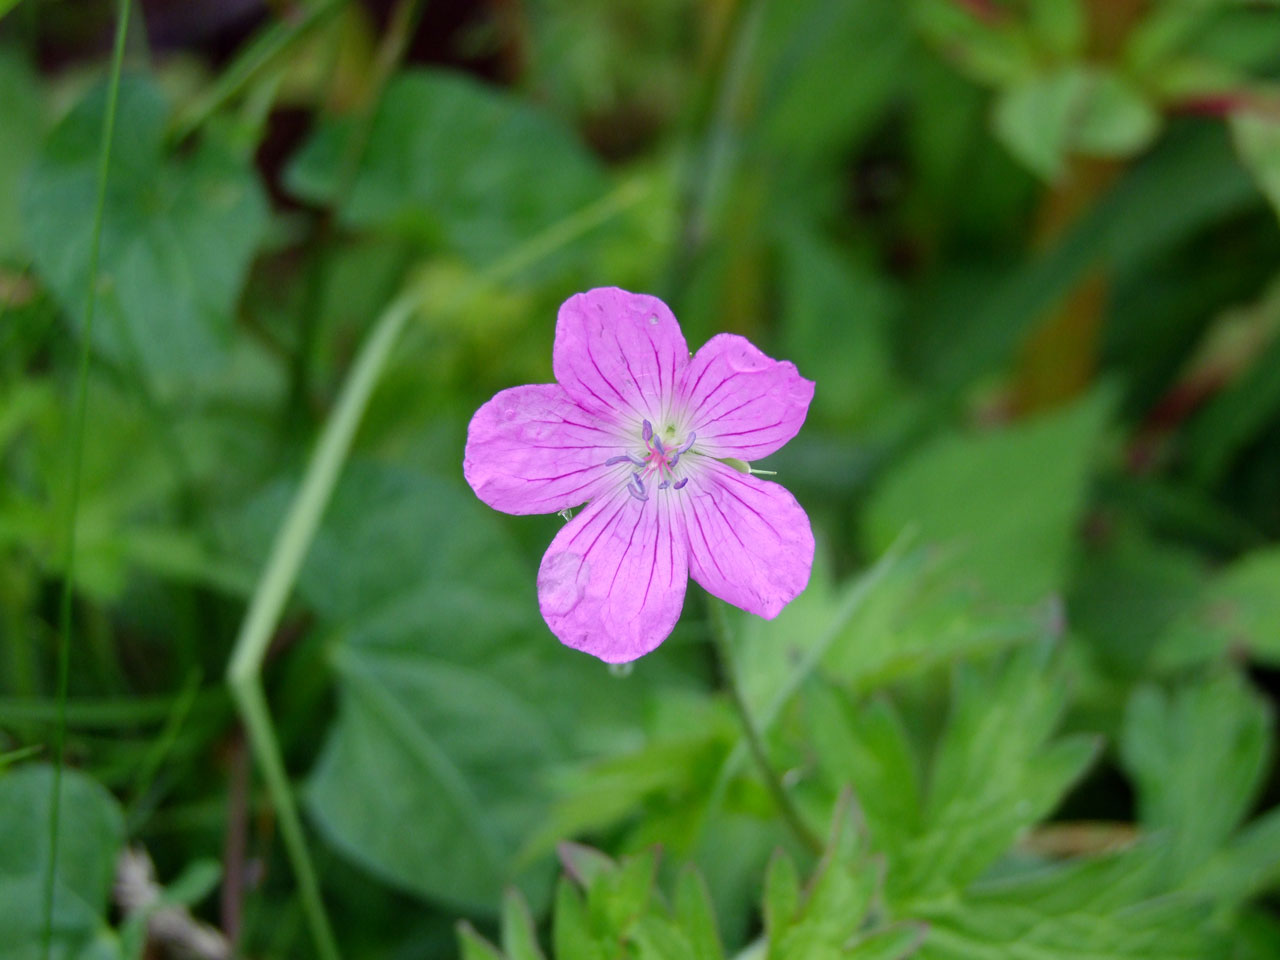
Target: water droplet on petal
653,319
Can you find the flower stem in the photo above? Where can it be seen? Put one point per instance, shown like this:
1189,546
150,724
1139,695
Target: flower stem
77,457
751,733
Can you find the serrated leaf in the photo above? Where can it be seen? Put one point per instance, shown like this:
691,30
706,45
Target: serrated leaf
519,936
476,947
866,750
696,916
1091,910
572,936
781,896
896,942
1235,612
1198,756
660,939
454,162
996,773
616,900
178,234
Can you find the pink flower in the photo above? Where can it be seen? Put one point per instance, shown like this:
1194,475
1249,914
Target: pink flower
640,432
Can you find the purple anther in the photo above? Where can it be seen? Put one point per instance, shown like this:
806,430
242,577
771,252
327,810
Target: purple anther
637,490
679,483
624,458
664,484
657,445
688,444
646,431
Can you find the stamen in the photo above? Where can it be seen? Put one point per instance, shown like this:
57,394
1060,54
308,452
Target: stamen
638,490
687,444
664,484
646,431
679,483
657,445
624,458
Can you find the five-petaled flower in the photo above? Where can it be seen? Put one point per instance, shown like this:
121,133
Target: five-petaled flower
641,432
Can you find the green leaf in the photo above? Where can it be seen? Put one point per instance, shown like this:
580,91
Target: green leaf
1075,110
866,749
572,935
895,942
1236,612
781,896
1089,910
1007,500
476,947
696,916
453,162
992,51
424,728
90,835
519,936
996,772
178,234
1197,756
850,359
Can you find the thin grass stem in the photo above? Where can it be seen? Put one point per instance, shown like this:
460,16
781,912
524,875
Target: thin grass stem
76,461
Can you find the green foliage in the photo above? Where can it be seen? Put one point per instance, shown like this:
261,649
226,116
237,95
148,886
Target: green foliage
519,174
91,832
178,235
1025,706
1021,491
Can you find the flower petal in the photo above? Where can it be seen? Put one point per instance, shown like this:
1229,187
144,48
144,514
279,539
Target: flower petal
750,543
619,354
742,403
533,450
612,583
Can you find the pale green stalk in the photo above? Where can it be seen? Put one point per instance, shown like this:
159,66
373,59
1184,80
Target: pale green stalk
294,537
77,457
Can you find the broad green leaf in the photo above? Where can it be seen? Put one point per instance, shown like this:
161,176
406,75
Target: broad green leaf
90,834
1007,500
1076,110
453,162
178,234
1198,757
1235,613
425,721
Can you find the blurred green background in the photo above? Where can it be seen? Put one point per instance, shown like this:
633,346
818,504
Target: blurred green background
1028,251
